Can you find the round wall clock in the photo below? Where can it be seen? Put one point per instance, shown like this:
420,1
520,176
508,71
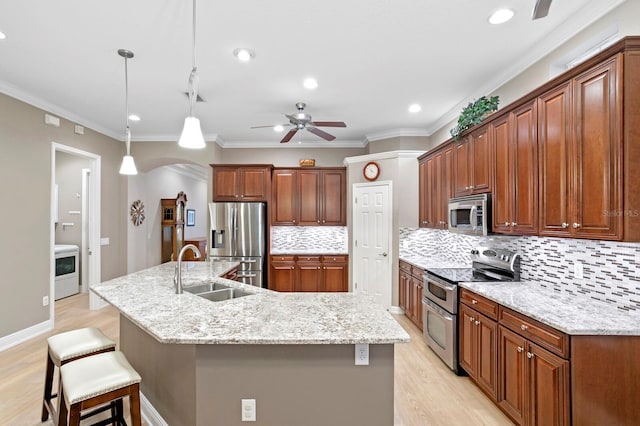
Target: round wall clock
137,212
371,171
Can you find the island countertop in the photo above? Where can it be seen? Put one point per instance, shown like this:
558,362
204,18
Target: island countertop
148,299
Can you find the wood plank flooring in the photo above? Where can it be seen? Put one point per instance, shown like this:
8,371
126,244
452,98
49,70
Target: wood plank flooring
426,391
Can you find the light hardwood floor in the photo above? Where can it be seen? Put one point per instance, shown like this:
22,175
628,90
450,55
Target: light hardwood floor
426,391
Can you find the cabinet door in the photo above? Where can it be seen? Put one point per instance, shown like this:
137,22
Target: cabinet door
436,177
548,387
225,184
335,276
282,276
403,290
502,200
423,194
512,374
309,274
446,185
466,340
486,351
481,160
334,198
461,167
432,195
309,196
598,154
554,154
284,206
524,176
254,183
418,302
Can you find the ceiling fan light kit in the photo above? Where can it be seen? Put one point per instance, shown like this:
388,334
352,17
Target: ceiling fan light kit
128,166
243,54
191,136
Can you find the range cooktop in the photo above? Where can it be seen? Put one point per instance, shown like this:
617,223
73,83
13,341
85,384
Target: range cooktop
465,275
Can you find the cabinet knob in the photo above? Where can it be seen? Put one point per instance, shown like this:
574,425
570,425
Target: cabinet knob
576,225
565,225
471,319
324,221
324,267
530,355
506,224
519,349
523,327
291,267
514,224
474,302
294,221
477,322
318,267
242,196
318,220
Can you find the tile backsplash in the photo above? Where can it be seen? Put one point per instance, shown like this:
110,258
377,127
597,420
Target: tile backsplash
319,239
611,270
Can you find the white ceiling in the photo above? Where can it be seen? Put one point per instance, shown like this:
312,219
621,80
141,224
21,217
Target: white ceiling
372,59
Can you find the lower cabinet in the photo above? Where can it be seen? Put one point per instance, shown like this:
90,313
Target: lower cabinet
309,273
410,286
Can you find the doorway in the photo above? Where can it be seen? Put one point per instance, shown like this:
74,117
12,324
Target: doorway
371,249
89,218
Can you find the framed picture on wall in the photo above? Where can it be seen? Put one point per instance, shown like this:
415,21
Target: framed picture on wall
191,217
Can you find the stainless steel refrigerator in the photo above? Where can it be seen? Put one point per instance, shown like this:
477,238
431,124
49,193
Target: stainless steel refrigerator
238,233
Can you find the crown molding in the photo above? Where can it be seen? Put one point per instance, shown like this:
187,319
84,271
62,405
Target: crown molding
390,155
560,35
396,133
305,144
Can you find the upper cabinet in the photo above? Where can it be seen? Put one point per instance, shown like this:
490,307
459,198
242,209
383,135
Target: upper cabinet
309,197
473,160
436,187
241,182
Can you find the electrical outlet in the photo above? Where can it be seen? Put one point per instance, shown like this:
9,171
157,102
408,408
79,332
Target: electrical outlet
578,270
362,354
248,410
45,301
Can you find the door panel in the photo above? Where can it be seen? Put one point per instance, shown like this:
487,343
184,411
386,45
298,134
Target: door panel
466,340
511,391
502,195
309,196
333,198
487,338
525,171
284,210
481,160
254,184
549,389
462,172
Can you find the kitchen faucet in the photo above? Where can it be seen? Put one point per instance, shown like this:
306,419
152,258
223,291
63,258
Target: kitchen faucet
177,276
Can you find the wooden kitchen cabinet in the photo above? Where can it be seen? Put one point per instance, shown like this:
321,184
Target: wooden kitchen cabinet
410,292
309,197
241,182
435,188
309,273
473,163
515,188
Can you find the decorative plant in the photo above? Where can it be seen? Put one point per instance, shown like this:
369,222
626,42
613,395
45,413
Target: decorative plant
474,113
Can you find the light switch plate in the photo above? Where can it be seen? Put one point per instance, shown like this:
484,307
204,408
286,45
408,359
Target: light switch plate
362,354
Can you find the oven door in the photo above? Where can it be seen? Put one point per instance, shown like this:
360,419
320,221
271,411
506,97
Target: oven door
440,332
443,294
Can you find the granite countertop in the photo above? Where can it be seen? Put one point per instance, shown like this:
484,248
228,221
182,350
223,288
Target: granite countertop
148,299
302,250
430,262
572,314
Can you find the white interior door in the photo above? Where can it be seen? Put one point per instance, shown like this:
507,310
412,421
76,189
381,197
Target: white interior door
371,240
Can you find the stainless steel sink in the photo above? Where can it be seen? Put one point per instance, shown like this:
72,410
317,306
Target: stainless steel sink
205,288
224,294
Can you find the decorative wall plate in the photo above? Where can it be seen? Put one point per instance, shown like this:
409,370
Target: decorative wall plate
137,212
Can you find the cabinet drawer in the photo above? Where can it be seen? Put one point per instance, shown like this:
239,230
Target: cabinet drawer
284,258
337,259
479,303
547,337
313,259
404,266
417,272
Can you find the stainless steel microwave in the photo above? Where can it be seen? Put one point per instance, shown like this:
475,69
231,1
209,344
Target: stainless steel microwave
470,214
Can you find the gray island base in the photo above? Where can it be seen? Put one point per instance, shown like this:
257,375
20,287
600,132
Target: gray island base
293,353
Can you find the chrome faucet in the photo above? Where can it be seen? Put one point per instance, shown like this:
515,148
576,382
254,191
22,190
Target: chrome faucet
177,276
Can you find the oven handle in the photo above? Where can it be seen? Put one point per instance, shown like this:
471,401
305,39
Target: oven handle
428,278
437,309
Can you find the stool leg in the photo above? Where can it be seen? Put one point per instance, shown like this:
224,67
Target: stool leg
134,405
48,384
74,414
62,408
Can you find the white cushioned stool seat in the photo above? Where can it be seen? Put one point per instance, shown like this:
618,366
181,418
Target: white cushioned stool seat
75,343
96,375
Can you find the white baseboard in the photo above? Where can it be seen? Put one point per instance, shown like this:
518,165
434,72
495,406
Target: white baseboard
149,413
396,310
18,337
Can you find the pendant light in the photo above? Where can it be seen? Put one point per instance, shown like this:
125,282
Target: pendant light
191,136
128,166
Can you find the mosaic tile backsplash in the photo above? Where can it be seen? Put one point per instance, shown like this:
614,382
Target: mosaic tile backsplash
611,270
309,239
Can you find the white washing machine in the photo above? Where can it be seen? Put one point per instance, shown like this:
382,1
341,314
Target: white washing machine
67,270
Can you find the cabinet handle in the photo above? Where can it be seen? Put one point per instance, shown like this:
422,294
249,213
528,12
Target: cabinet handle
519,349
565,225
471,319
530,355
324,267
242,196
514,224
324,221
318,220
523,327
477,322
506,224
474,302
292,267
576,225
235,196
318,267
294,221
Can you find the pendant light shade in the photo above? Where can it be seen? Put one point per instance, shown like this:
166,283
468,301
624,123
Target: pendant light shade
128,166
191,136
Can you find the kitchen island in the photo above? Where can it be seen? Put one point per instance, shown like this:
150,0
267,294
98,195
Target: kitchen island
293,353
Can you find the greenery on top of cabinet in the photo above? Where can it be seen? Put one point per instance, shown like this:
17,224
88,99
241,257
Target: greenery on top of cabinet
474,113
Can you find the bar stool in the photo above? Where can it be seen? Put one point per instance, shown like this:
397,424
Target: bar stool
97,380
66,347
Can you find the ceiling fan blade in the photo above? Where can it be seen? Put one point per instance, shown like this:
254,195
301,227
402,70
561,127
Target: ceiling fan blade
289,135
541,9
270,125
321,133
293,118
328,123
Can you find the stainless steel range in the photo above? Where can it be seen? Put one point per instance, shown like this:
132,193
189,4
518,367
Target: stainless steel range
440,297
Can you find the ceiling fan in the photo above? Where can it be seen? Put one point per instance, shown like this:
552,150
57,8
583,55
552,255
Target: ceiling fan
541,9
301,120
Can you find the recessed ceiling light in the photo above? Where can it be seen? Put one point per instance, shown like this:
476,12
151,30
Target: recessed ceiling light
310,83
134,117
500,16
2,35
415,108
278,128
244,54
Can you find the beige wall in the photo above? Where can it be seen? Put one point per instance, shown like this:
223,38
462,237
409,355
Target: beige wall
625,17
288,157
69,180
400,143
